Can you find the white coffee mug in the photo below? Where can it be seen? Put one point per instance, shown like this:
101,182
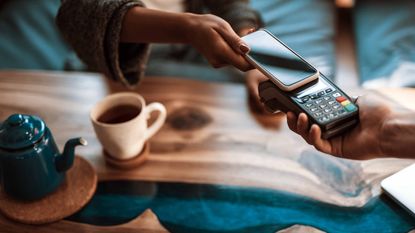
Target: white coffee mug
121,129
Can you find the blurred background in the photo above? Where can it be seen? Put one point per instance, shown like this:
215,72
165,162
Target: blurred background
363,42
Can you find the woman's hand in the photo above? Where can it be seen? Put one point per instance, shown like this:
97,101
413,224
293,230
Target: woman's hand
217,41
361,142
212,36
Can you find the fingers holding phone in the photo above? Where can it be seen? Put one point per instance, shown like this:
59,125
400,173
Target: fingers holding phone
217,41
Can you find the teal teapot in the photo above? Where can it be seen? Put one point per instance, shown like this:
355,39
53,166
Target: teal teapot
30,163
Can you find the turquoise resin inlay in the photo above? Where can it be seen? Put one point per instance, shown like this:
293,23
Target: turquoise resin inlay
215,208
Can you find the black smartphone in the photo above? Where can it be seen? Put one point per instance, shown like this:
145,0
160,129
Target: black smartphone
278,62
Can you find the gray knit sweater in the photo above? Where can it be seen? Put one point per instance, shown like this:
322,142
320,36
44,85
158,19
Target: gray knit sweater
93,27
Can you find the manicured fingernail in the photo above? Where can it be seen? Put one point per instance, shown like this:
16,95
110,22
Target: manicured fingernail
244,48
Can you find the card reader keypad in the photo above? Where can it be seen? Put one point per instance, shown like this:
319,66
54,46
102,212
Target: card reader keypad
327,105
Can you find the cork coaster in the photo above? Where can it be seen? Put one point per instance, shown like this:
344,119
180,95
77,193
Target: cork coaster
127,164
74,193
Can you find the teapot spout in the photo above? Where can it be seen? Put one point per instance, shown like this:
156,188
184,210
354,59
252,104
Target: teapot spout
65,161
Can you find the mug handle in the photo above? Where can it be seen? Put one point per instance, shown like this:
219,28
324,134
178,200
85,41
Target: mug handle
158,123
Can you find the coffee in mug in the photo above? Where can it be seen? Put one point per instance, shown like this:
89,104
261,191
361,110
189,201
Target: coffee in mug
119,114
120,123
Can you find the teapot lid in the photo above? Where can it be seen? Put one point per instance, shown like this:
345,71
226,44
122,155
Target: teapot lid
20,131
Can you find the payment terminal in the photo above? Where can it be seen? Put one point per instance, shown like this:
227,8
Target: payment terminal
324,103
297,86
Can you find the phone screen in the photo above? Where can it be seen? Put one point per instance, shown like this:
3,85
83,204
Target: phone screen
277,59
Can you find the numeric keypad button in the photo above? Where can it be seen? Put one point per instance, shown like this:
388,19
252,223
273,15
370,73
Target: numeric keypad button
323,119
305,99
309,105
337,106
314,96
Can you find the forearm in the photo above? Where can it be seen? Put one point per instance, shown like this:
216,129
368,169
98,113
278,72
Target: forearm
142,25
398,135
210,35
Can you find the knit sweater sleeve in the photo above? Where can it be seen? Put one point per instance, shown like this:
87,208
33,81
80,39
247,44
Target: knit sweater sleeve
93,29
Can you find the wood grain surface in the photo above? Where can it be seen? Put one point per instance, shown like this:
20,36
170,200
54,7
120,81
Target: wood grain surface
211,137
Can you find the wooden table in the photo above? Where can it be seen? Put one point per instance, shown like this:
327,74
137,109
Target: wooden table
216,166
